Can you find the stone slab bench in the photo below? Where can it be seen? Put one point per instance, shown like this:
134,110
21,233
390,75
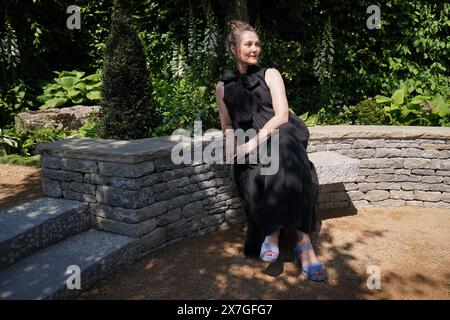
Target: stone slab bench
332,167
135,189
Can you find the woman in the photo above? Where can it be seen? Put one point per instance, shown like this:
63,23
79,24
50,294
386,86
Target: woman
251,97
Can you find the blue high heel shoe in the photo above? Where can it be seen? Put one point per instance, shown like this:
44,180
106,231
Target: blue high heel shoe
267,247
313,271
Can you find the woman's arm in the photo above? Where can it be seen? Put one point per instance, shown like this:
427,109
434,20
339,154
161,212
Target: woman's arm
225,120
280,107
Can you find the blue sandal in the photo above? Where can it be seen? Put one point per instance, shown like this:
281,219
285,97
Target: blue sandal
313,271
267,247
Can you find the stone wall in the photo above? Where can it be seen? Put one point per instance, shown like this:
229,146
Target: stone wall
398,166
136,199
144,195
133,188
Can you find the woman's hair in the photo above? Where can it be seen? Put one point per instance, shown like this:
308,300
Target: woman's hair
235,27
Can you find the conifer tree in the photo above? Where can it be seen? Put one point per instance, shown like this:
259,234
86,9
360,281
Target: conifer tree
127,104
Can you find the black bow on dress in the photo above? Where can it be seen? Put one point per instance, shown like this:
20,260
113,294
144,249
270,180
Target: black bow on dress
249,81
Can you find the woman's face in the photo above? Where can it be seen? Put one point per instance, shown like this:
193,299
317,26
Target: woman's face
248,48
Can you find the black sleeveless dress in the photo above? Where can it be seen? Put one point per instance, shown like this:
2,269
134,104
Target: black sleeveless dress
287,197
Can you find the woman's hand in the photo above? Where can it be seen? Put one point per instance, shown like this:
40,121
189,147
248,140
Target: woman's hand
243,149
225,153
240,151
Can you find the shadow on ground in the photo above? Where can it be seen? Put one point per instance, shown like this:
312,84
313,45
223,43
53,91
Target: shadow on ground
410,246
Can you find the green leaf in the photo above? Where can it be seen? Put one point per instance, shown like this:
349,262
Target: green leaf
72,93
405,112
201,91
90,87
382,99
81,86
76,74
312,120
10,142
78,99
94,95
440,106
67,82
60,94
398,97
304,116
42,98
420,99
53,103
92,77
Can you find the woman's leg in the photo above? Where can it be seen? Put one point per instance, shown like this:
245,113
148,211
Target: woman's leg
312,268
307,256
272,238
269,248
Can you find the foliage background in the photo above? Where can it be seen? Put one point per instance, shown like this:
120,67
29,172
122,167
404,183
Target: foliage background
333,65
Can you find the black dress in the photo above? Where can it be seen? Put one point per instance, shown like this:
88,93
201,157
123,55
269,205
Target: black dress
287,197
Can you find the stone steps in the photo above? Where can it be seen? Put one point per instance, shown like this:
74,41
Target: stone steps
35,225
44,275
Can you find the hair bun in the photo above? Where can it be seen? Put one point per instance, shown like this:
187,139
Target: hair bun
235,27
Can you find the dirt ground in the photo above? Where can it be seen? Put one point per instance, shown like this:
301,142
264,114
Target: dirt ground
409,246
18,184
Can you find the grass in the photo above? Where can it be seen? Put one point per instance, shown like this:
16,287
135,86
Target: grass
34,161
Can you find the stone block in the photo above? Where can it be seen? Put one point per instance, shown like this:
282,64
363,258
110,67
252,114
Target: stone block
368,143
387,152
51,188
50,162
414,186
79,165
83,197
388,186
377,195
355,195
129,215
169,217
417,163
153,240
135,230
124,198
61,175
193,208
403,195
434,179
125,170
431,196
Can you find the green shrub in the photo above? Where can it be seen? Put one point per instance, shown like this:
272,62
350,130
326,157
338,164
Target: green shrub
18,98
127,105
404,109
89,129
27,140
180,102
366,112
34,161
